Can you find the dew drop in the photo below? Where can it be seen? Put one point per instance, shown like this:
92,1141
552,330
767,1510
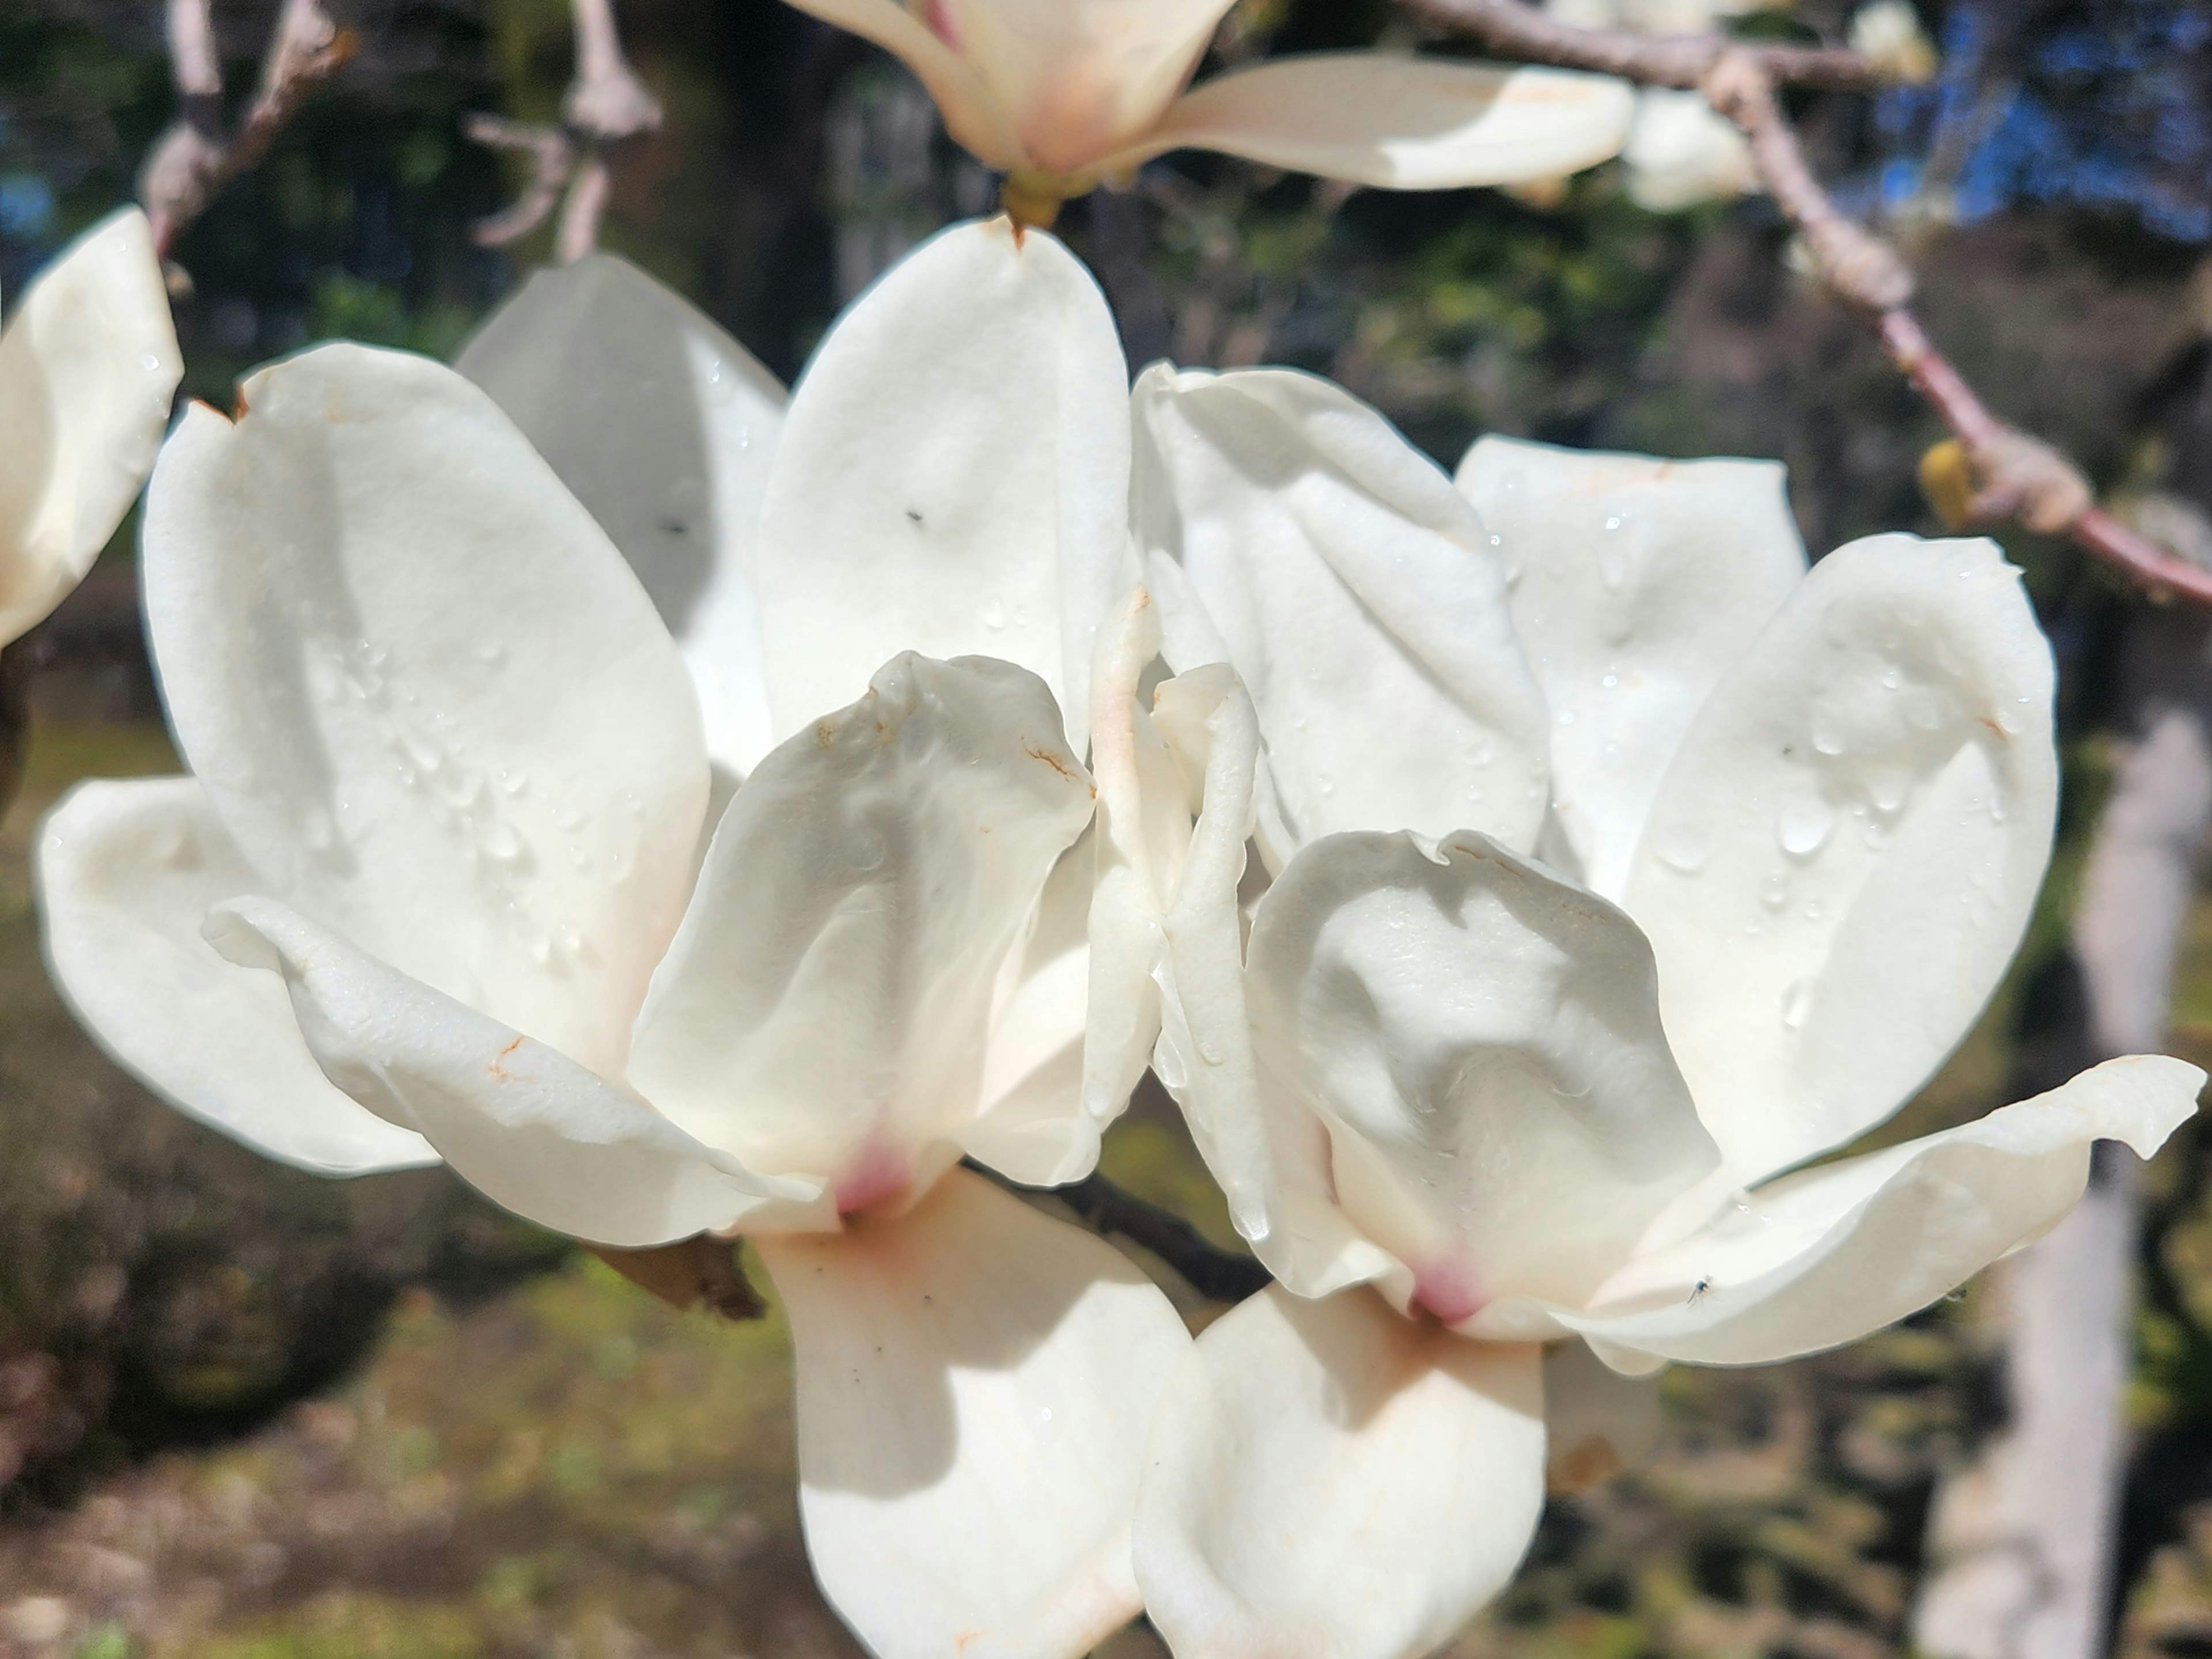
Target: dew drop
512,781
1682,845
492,652
994,615
1796,1003
1803,825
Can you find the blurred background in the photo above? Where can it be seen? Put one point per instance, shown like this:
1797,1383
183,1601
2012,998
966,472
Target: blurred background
245,1413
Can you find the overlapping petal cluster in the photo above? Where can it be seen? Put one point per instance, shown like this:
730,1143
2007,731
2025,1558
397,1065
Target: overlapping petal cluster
1617,867
670,808
88,363
1063,94
440,882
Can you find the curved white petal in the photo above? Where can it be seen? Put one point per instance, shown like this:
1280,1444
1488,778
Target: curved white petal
1636,582
1143,828
1827,1255
126,872
1399,122
1682,153
428,699
953,477
663,427
1034,1125
1079,81
1482,1040
520,1121
1842,857
88,362
974,1381
1327,1480
1597,1421
1360,601
824,1006
972,112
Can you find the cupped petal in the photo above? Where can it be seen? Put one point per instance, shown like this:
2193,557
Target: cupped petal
826,1005
88,363
1079,81
1827,1256
126,872
428,700
663,427
1842,856
971,109
1034,1125
1482,1040
1327,1480
974,1381
1359,600
953,477
1636,583
522,1123
1681,153
1597,1421
1399,122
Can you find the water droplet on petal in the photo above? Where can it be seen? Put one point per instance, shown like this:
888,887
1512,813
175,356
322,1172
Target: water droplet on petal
1803,825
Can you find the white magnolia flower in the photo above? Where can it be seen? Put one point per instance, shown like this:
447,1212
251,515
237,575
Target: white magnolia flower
1062,95
1465,1106
433,886
88,363
1680,152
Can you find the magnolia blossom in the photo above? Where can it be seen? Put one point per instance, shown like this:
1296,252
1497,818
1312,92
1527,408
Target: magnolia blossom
88,363
435,886
1680,152
1062,95
1467,1103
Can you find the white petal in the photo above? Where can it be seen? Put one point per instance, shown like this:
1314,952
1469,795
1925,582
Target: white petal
1483,1041
824,1006
1034,1127
1080,81
972,112
1844,854
1327,1480
1827,1256
428,700
974,1381
88,364
663,427
953,477
1143,835
1681,153
126,872
1359,600
522,1123
1596,1422
1637,583
1400,123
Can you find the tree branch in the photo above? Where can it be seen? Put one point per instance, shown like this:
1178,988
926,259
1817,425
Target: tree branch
1990,471
1652,60
1217,1275
192,161
604,103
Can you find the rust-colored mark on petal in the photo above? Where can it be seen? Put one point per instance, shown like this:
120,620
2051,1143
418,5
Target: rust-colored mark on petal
825,733
498,1070
1049,759
1996,729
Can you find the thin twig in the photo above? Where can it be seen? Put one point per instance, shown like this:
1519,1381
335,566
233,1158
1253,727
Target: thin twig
604,104
1217,1275
2011,474
193,160
1653,60
552,158
701,1272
